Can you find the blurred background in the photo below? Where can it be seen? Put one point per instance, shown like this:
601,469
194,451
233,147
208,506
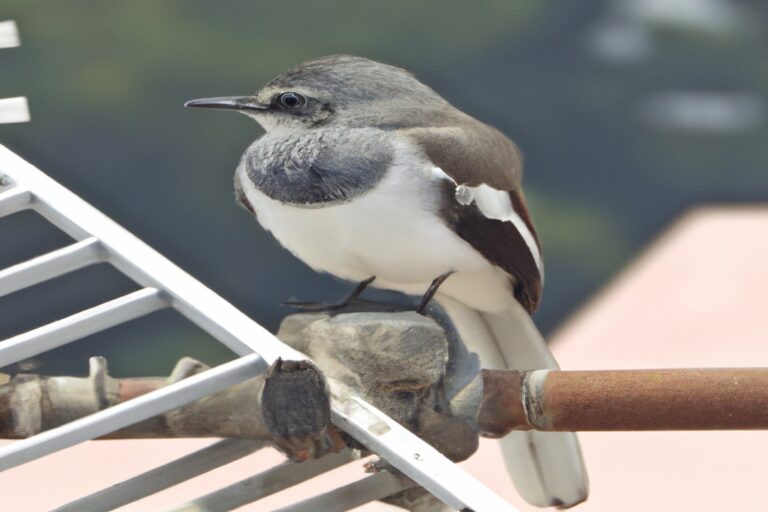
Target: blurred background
628,113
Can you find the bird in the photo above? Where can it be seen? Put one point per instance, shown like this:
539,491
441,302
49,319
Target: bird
368,174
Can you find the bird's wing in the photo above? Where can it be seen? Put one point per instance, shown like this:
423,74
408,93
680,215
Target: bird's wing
240,196
490,214
485,168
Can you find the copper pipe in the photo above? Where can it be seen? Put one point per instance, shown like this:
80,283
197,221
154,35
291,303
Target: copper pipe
678,399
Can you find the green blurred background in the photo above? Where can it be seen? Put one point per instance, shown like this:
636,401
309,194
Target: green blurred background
628,113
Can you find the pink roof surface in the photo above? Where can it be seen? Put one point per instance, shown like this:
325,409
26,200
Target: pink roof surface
697,298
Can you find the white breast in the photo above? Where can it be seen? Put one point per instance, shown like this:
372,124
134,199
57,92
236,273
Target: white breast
392,232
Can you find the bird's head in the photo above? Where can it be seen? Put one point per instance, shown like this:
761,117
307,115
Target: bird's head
337,90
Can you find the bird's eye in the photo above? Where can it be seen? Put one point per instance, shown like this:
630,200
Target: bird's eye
291,100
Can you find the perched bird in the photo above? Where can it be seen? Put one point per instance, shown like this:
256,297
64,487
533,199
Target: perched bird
368,174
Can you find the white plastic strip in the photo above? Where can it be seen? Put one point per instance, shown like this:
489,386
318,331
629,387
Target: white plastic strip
9,34
130,412
50,265
13,199
417,459
14,110
365,490
268,482
165,476
80,325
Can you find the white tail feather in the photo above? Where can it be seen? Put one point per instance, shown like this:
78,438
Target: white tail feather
546,467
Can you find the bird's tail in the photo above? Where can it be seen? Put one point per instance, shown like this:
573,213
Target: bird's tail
546,467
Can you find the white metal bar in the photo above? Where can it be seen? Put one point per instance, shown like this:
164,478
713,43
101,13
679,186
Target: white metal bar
130,412
13,199
14,110
9,34
268,482
143,264
165,476
80,325
414,457
372,487
50,265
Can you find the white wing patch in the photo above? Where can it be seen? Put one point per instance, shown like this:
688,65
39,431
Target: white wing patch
495,204
439,174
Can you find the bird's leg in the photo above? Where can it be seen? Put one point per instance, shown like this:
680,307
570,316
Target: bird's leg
320,306
431,291
362,285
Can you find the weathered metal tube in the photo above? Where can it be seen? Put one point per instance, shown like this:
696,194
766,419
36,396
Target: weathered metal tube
620,400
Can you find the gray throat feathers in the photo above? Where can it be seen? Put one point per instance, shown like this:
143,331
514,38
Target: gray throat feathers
320,166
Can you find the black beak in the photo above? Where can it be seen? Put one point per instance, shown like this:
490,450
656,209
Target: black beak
229,103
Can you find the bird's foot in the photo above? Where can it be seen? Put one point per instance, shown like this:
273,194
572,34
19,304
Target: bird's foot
310,306
431,291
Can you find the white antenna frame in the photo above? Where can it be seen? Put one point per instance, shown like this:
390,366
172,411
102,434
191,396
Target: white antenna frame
99,239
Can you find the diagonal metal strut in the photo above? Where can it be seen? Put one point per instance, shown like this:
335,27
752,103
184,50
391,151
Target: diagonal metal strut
165,284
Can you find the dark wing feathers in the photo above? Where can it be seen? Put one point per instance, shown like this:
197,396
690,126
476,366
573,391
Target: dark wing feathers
472,155
520,206
240,197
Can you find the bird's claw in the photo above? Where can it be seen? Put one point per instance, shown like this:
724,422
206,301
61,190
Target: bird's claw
311,306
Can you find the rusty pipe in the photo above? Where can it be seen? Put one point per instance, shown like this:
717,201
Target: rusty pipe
674,399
